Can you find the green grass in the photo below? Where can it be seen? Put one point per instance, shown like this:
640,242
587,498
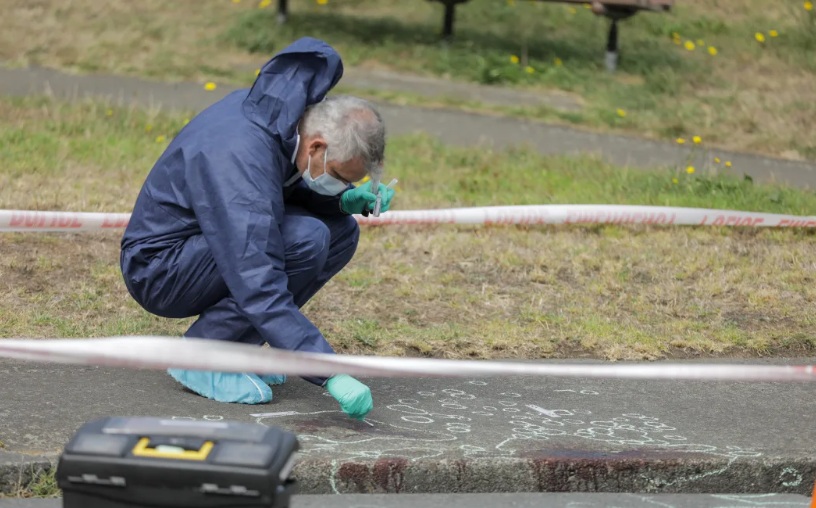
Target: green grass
484,292
750,96
36,483
665,90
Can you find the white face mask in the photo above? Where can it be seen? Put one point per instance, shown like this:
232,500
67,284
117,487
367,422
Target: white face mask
324,184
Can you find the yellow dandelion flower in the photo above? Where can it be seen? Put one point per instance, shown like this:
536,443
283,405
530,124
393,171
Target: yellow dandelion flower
675,180
186,121
690,45
808,5
675,35
529,70
621,113
514,59
573,11
690,170
257,72
558,62
759,36
697,140
680,141
148,128
236,1
712,51
161,138
109,112
728,164
210,86
264,4
773,33
322,2
717,160
677,40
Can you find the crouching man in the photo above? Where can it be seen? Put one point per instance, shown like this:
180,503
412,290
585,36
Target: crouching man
248,213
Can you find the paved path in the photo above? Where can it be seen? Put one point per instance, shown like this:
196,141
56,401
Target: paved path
435,436
515,501
453,127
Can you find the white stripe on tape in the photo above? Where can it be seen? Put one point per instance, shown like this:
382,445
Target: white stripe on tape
159,353
21,220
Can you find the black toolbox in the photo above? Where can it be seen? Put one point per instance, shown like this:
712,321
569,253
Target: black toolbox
153,462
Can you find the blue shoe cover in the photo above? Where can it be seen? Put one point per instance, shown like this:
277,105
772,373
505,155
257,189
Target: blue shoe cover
224,386
273,379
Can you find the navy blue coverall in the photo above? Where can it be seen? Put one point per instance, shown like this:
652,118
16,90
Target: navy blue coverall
217,233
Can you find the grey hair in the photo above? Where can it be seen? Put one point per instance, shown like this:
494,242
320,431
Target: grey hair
352,127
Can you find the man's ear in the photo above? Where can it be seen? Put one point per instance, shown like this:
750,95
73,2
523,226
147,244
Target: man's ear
314,144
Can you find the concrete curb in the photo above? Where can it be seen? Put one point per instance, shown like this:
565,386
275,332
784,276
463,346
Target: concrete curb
665,475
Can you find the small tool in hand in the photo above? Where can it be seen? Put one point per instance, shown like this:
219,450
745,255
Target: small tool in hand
378,203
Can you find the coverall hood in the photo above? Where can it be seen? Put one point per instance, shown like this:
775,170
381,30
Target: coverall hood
276,101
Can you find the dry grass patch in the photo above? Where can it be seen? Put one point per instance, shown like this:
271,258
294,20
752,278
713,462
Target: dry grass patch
484,292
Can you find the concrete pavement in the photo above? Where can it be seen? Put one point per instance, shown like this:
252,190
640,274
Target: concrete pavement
452,436
450,126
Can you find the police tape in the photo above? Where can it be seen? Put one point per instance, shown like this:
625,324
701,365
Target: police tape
159,353
22,220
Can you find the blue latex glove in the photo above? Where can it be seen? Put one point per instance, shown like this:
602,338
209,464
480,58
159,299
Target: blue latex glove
362,198
354,397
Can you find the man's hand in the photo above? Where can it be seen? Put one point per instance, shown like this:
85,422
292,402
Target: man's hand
354,397
362,198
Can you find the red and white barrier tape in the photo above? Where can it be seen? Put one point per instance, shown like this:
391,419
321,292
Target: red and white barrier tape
159,353
21,220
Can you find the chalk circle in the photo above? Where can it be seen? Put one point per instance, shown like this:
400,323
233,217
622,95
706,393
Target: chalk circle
454,406
477,383
574,422
588,392
408,401
581,412
661,426
417,419
511,394
451,391
790,477
459,431
482,413
675,438
634,415
510,410
523,435
402,408
620,420
213,418
602,423
423,394
508,403
182,418
489,408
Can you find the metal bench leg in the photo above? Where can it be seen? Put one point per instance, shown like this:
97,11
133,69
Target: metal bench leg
612,47
282,11
447,28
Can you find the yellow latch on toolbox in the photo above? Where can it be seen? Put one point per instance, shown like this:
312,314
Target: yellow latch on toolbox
143,449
